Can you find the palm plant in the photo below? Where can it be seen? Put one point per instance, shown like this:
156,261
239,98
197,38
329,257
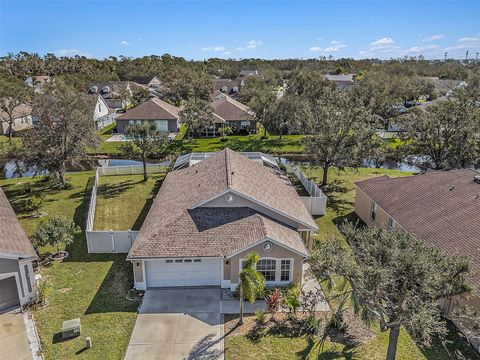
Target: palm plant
252,283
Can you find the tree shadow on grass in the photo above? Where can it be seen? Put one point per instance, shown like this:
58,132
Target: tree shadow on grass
109,191
112,293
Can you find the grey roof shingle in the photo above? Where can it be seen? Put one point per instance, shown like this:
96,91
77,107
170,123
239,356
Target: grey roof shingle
441,208
13,239
175,217
229,109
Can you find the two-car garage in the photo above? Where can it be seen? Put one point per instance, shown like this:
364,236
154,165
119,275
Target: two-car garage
183,272
8,293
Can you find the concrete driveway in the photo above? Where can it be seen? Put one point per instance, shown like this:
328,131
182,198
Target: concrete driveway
14,343
180,323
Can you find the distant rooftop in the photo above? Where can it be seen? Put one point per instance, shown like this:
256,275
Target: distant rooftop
187,160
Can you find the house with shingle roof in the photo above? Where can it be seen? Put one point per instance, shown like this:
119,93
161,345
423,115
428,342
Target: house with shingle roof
232,113
154,111
17,279
22,119
441,208
208,217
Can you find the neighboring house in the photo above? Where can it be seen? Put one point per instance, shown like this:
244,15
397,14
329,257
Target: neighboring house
232,113
228,86
244,73
148,81
17,279
38,82
154,111
341,81
103,115
445,87
118,91
441,208
208,217
22,115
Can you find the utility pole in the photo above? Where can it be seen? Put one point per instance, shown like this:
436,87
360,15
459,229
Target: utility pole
476,57
466,56
446,53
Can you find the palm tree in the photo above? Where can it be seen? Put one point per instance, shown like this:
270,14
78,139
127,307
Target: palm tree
251,283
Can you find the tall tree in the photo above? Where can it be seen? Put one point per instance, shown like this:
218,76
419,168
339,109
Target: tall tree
288,113
342,130
445,135
144,141
251,282
13,94
64,130
197,114
395,280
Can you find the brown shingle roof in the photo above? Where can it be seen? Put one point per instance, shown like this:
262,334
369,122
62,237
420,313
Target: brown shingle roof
230,109
441,208
182,190
18,112
13,239
153,109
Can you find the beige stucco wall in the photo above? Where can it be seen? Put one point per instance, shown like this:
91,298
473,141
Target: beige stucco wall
363,205
138,271
277,252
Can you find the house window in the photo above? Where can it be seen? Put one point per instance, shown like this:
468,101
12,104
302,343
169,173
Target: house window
161,125
131,122
267,268
197,260
285,270
188,260
392,224
244,125
373,212
100,107
178,260
169,261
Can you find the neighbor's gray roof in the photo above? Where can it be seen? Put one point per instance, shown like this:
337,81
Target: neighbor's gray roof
441,208
340,77
13,239
182,190
153,109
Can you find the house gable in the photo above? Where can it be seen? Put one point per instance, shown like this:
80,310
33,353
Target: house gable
224,199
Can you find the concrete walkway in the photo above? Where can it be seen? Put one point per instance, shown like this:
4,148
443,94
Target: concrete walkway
180,323
14,343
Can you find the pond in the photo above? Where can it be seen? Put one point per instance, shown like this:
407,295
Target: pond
10,169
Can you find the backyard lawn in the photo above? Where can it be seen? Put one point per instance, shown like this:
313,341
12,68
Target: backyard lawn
124,201
341,197
92,287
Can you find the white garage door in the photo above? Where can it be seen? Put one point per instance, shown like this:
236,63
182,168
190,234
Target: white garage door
183,272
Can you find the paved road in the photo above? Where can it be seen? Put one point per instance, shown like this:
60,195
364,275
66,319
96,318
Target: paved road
176,324
13,338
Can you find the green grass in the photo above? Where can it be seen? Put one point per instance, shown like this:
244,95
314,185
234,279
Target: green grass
181,132
341,198
289,144
114,192
89,286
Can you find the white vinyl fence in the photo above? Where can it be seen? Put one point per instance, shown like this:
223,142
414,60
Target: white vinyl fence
316,203
109,241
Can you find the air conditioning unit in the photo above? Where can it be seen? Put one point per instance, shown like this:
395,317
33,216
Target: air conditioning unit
71,328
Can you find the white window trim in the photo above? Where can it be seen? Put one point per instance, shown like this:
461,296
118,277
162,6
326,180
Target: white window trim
278,269
392,224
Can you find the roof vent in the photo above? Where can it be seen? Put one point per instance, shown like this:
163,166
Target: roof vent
451,187
476,178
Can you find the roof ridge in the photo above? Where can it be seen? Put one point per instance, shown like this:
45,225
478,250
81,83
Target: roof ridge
162,103
228,168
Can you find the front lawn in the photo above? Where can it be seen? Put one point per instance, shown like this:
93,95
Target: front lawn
123,201
341,198
92,287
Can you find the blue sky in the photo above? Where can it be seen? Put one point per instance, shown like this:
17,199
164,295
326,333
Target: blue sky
241,29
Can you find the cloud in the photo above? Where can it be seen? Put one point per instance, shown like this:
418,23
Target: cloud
213,48
465,43
71,52
252,44
433,38
334,47
382,43
419,48
124,42
226,53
